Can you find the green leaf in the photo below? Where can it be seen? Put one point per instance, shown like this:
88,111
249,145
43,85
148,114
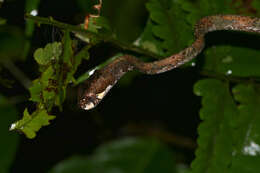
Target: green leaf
130,155
30,124
229,139
212,7
247,124
172,22
46,75
52,51
214,153
9,141
232,60
35,91
43,89
48,86
245,164
57,65
227,57
57,72
66,71
148,41
169,27
98,23
126,18
175,33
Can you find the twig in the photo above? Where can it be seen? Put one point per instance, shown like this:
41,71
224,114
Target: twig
76,29
126,47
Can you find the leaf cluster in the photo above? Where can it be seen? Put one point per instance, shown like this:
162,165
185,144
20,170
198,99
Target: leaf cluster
57,65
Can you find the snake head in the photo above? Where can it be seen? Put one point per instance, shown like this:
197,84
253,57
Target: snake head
92,97
89,101
101,81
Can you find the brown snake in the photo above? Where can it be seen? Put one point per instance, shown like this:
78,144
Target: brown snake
98,85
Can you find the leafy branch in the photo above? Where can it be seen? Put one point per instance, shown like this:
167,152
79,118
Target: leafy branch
57,64
96,37
140,50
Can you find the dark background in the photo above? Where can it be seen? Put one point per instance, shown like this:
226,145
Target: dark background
138,105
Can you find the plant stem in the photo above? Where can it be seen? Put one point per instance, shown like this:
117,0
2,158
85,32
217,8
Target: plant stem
110,39
126,47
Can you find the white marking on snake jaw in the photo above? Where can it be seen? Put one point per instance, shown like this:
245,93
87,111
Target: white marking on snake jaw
102,94
88,106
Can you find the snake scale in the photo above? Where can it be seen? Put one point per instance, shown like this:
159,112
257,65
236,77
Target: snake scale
99,84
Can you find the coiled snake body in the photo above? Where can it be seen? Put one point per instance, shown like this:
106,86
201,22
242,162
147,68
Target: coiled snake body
99,84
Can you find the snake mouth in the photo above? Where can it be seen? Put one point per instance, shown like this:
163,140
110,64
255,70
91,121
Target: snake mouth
88,102
88,106
91,100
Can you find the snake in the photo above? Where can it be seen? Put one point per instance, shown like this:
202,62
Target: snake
101,81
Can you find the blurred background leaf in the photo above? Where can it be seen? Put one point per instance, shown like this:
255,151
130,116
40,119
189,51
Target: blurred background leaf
129,24
166,15
2,21
229,134
234,59
9,141
128,155
247,124
214,152
12,43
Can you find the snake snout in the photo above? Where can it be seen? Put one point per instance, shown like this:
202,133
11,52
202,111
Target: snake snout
88,102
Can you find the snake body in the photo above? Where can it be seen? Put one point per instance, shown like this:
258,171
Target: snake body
99,84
